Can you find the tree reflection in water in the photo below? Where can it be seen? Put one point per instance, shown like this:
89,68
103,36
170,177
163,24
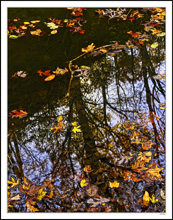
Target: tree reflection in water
122,138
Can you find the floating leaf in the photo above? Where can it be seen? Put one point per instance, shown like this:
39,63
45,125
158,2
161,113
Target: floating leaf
89,48
41,194
13,183
76,129
133,34
155,171
146,198
30,207
49,78
153,200
87,169
17,197
36,21
162,106
162,194
147,145
91,190
83,183
53,32
114,184
13,36
103,50
60,71
60,118
161,34
59,127
18,114
154,45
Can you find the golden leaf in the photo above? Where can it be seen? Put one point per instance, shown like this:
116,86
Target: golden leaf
49,78
114,184
59,118
41,194
76,129
89,48
13,183
154,45
54,32
146,198
155,171
83,183
153,200
103,50
30,207
36,21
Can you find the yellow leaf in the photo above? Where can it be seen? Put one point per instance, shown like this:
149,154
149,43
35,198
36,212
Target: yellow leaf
26,22
154,45
53,32
49,78
162,106
36,21
13,182
114,184
153,200
89,48
59,118
74,124
41,194
83,183
161,34
76,129
146,198
155,171
13,36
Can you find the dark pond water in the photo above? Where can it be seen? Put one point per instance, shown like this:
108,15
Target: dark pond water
92,138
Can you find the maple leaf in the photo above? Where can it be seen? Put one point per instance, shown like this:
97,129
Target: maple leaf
13,183
18,114
114,184
59,127
146,198
76,129
99,11
88,48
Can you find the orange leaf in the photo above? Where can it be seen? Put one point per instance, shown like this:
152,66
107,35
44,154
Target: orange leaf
16,114
49,78
146,198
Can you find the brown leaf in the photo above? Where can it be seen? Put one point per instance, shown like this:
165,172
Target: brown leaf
91,190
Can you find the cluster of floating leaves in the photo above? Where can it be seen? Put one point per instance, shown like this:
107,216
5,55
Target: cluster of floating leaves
53,24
